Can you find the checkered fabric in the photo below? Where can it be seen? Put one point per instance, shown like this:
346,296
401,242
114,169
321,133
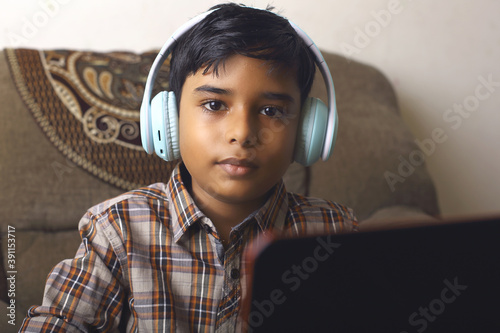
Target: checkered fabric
151,261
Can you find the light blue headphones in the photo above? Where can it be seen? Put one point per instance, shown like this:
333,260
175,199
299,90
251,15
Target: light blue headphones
317,130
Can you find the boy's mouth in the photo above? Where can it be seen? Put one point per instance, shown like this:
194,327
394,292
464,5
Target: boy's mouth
237,167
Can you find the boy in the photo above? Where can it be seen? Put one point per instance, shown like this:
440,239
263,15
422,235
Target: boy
168,257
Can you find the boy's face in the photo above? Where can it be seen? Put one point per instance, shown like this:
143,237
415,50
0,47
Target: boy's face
237,130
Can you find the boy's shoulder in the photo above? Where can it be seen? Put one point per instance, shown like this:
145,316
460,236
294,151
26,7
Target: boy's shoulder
301,202
311,209
144,196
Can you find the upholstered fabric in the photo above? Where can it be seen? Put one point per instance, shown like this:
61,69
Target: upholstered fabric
41,188
87,105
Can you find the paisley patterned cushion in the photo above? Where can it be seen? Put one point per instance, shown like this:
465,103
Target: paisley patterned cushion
87,104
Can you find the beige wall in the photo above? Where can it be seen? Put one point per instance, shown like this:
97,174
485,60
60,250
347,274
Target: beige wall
440,56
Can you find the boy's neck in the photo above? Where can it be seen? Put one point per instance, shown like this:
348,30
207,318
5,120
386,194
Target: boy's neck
224,215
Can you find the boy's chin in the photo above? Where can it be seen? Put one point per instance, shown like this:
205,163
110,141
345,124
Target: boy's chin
239,192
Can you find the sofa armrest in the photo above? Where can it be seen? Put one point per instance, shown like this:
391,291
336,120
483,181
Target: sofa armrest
397,217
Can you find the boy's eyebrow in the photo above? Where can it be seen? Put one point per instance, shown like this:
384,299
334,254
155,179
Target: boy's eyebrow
279,97
266,94
215,90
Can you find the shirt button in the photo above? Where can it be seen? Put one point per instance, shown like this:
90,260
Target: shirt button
235,274
207,228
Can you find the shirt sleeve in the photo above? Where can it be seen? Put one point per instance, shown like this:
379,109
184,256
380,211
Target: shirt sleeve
85,293
351,221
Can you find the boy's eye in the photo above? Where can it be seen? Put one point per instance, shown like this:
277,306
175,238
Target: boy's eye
214,106
272,111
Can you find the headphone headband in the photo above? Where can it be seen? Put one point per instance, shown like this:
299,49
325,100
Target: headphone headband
146,136
145,112
331,128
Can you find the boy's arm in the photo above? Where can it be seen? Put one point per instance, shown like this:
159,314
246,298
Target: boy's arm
84,293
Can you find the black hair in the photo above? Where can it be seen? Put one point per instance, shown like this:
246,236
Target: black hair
238,30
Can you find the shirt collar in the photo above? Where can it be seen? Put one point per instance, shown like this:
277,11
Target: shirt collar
182,208
184,212
271,216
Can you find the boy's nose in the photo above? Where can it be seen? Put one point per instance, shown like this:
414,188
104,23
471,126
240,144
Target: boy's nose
241,129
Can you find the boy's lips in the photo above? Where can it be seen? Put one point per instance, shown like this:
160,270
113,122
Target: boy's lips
237,167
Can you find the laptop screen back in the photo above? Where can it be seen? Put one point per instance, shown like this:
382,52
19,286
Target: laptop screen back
443,278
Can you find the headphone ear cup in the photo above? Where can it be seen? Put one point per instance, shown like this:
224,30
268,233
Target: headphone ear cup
164,120
311,131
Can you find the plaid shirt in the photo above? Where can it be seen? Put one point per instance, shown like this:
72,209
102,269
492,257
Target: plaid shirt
151,261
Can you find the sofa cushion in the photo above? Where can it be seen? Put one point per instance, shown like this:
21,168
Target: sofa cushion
87,104
41,188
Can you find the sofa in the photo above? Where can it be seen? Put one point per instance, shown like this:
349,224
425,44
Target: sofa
70,139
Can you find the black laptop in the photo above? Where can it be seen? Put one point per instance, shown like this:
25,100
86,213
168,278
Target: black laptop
440,278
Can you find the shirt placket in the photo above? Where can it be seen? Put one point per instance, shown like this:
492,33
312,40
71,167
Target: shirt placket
228,307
